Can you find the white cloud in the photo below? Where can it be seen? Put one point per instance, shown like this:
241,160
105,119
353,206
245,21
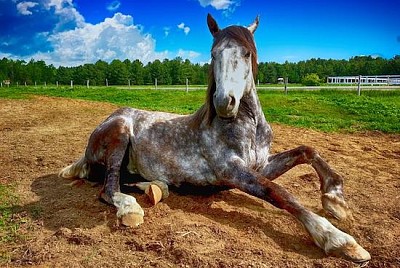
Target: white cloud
166,31
66,14
188,54
23,7
185,28
114,38
69,41
226,6
114,5
217,4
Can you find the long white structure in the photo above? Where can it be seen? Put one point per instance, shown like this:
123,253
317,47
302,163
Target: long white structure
371,80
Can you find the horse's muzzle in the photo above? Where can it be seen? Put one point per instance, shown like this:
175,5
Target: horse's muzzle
225,105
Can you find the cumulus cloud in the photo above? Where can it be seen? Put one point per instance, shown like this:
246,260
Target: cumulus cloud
23,7
114,38
64,38
114,5
65,12
29,23
188,54
184,27
217,4
226,6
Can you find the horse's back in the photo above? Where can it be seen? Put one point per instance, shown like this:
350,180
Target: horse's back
122,124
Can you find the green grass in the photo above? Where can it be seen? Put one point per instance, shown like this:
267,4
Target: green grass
333,110
325,110
7,202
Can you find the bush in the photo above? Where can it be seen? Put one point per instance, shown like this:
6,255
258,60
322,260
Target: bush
311,80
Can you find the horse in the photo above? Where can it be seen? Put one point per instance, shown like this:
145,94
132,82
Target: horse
225,144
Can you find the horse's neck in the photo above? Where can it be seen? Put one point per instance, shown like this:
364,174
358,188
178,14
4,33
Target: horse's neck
252,102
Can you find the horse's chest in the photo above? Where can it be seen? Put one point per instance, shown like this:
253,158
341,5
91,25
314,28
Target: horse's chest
232,142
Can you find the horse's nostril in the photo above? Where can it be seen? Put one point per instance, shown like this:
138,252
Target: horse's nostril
232,101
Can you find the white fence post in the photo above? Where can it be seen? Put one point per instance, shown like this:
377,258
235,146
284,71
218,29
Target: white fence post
155,82
359,86
187,85
72,84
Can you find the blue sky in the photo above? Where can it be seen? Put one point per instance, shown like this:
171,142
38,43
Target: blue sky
74,32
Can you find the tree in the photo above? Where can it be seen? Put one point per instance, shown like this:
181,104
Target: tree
175,71
101,68
157,71
117,73
311,80
136,72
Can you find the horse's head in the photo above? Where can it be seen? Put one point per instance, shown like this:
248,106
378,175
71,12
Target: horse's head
234,65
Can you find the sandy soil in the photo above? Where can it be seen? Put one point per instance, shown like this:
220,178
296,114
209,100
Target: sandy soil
67,226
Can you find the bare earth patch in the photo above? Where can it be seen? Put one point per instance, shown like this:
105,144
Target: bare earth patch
66,226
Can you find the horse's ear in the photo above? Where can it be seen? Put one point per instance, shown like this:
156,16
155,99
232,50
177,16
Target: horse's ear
253,27
212,25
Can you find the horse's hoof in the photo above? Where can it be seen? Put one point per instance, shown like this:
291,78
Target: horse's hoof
130,213
336,206
352,252
155,194
155,190
131,220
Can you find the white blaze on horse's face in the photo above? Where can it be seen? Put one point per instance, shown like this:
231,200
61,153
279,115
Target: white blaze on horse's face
233,77
232,68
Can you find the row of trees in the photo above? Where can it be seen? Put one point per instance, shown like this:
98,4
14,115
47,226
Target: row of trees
176,71
167,72
296,72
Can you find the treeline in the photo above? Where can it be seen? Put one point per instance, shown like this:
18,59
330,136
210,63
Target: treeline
296,72
176,71
167,72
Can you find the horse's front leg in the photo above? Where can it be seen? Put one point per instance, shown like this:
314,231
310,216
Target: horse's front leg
331,182
325,235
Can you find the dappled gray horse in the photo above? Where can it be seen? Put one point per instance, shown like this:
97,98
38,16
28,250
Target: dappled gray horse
226,144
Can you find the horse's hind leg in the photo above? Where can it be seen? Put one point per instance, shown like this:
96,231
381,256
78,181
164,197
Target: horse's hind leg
108,145
331,182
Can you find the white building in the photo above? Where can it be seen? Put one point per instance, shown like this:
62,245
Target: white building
371,80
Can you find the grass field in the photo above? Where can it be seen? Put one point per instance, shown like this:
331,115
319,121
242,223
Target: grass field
325,110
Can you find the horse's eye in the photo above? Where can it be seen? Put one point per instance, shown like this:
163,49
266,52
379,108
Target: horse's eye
248,54
212,56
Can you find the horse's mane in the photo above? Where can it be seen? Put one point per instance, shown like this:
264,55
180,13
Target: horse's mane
244,38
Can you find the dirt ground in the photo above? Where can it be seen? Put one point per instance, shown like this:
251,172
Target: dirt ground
67,226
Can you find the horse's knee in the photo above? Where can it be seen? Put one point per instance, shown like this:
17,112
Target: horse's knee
308,153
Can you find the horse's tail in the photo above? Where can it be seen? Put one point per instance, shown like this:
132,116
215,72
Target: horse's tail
79,169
